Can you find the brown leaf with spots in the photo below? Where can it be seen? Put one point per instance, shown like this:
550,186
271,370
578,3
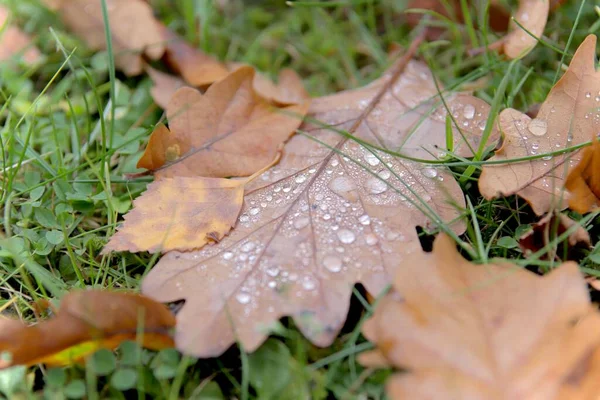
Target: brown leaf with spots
332,213
134,30
14,42
583,182
86,321
495,331
568,117
549,228
181,213
228,131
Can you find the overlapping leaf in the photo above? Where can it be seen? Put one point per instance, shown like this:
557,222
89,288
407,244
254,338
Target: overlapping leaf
228,131
332,213
134,30
492,331
568,117
583,181
86,321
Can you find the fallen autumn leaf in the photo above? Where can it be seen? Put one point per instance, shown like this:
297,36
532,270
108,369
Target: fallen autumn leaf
567,118
86,321
495,331
332,213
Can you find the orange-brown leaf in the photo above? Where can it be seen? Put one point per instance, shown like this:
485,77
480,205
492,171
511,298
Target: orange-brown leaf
532,15
195,67
565,119
165,86
14,42
493,331
332,213
134,30
583,181
228,131
86,321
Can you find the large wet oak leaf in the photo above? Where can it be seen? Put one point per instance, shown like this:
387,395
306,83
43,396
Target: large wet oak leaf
134,30
228,131
495,331
86,321
15,42
568,117
331,214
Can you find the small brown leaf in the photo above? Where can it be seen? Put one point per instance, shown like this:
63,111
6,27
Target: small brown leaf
547,229
195,67
14,42
134,30
583,181
566,118
332,213
492,331
165,86
532,15
228,131
86,321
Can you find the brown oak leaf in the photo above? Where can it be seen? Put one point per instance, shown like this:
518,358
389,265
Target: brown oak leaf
332,213
228,131
495,331
583,181
568,117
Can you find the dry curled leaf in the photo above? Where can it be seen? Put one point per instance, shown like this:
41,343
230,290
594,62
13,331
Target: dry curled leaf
547,229
134,30
496,331
181,213
568,117
583,181
332,213
86,321
14,42
228,131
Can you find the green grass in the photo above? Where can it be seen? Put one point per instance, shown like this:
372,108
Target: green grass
71,128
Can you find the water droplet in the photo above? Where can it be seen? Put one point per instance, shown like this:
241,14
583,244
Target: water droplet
538,127
342,185
588,95
546,158
272,271
332,263
308,284
227,255
301,222
371,239
272,284
335,162
376,185
364,219
243,297
429,172
254,211
286,189
300,178
346,236
326,217
246,247
469,111
371,158
244,218
553,110
384,174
